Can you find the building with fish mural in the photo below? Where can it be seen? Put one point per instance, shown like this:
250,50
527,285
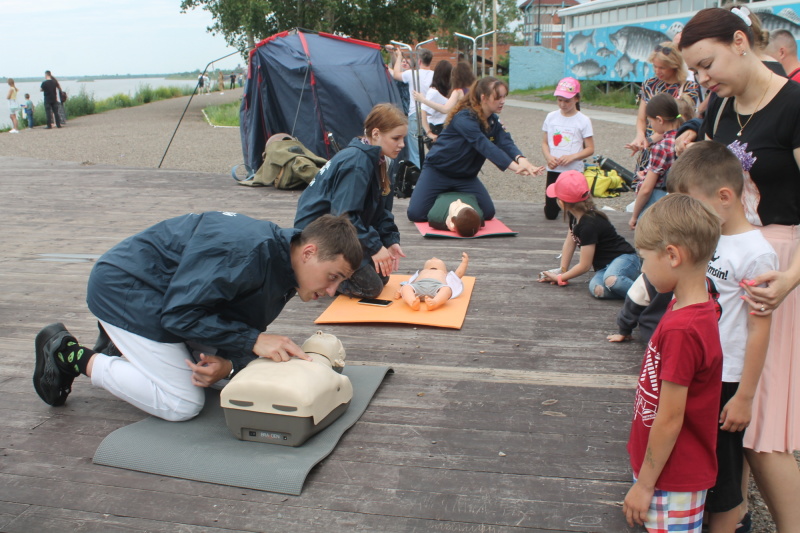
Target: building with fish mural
611,40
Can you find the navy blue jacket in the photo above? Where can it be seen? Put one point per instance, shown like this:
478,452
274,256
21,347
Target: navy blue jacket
463,147
217,279
349,183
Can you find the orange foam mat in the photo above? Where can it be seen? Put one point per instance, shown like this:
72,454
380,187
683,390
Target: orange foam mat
346,310
491,228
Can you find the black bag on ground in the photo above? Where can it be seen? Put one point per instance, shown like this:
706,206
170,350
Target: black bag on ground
405,179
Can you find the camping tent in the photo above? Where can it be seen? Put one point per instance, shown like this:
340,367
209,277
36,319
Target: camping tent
309,85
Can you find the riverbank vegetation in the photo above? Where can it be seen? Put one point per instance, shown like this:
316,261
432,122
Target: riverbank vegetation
84,103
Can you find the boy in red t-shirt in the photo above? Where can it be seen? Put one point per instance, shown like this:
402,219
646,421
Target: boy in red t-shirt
674,430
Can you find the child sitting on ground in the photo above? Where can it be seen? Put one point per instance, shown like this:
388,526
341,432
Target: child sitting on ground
644,306
433,284
613,258
664,118
673,434
710,172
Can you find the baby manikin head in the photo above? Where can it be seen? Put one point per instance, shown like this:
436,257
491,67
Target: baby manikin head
434,263
326,349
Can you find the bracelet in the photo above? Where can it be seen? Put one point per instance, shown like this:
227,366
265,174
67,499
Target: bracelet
561,282
233,370
516,159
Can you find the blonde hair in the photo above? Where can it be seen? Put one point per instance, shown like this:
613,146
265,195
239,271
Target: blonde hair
679,220
670,56
709,166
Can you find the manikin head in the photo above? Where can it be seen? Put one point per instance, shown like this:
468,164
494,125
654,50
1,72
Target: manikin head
325,349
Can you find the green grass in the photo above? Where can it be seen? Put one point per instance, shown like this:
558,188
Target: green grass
83,103
224,115
618,95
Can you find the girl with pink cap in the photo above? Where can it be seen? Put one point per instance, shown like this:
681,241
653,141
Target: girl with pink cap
614,260
568,137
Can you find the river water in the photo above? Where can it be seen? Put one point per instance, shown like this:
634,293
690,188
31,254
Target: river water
100,89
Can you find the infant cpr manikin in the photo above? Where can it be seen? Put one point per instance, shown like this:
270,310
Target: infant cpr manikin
287,403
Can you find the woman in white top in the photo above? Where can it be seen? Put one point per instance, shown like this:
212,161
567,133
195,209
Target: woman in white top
461,80
13,106
432,120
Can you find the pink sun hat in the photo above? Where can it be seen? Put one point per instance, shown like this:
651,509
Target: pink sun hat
567,88
570,187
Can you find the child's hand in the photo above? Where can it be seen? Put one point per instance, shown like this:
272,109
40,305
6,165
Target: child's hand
632,222
552,162
618,337
736,414
637,504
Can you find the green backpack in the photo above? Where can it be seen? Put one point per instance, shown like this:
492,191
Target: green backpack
287,165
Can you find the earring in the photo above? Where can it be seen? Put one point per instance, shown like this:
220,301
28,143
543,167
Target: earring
744,53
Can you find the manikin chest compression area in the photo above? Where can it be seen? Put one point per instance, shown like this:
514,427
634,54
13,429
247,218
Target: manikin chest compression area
287,403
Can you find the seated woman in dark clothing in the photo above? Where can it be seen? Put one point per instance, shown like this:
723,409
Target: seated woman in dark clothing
473,133
355,181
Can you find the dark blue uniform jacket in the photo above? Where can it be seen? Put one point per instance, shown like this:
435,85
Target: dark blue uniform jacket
349,183
463,147
216,278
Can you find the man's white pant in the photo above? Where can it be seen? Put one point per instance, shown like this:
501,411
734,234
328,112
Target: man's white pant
152,376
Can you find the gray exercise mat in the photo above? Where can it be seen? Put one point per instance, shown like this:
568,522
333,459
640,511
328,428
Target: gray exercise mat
203,449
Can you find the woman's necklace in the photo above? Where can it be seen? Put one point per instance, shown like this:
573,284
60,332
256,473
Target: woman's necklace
739,120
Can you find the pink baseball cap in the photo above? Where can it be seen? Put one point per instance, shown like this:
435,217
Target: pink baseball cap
567,88
570,187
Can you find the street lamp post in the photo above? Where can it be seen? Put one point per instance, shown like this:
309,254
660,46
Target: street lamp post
474,47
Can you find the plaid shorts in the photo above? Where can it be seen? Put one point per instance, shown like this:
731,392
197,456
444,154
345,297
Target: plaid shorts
676,511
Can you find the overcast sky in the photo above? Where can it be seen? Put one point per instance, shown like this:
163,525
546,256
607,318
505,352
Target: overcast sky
94,37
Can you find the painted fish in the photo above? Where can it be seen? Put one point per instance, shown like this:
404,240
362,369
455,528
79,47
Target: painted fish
625,67
604,52
580,43
674,30
781,21
588,68
637,43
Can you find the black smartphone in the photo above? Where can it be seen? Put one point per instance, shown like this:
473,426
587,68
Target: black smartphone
375,301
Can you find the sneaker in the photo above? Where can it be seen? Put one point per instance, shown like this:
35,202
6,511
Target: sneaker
53,381
13,131
104,344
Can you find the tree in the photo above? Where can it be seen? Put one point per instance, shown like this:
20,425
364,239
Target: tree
244,22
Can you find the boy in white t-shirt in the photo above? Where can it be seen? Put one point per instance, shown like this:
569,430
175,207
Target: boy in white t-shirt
710,172
568,138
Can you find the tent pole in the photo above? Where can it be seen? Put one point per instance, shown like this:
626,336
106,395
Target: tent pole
190,101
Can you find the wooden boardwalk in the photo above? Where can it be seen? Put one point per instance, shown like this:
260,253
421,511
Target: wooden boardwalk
516,422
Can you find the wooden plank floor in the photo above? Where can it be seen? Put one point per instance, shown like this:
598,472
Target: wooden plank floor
516,422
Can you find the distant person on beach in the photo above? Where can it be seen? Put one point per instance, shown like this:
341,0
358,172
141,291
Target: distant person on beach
221,82
201,81
233,81
29,109
13,105
207,84
221,279
50,89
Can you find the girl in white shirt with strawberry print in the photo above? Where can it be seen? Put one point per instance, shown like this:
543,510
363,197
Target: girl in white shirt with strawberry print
567,137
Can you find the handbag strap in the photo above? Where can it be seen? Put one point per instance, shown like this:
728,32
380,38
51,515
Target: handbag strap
719,115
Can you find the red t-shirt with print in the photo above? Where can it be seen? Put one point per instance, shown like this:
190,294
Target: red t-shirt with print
685,350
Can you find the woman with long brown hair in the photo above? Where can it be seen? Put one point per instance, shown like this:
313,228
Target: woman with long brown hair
472,134
356,181
757,113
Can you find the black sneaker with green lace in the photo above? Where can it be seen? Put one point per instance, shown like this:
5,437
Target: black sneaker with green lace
59,360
